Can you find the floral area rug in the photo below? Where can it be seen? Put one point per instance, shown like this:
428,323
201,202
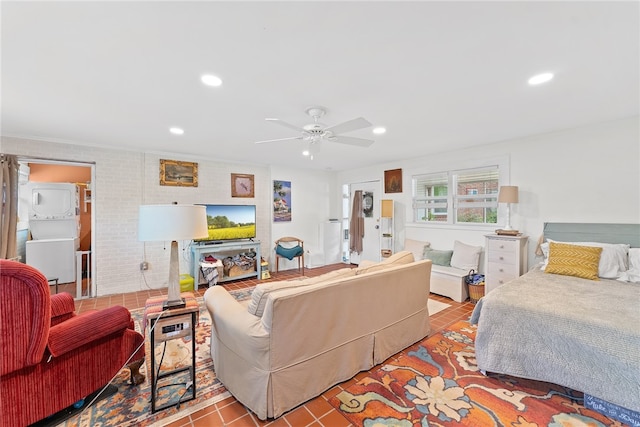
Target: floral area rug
131,406
437,383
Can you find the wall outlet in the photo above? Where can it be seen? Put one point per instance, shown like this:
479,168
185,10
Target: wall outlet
144,265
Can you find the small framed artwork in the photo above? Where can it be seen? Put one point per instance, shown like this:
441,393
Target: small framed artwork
178,174
281,201
241,185
393,181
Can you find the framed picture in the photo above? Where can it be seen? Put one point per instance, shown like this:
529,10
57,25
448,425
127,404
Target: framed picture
178,174
281,201
393,181
241,185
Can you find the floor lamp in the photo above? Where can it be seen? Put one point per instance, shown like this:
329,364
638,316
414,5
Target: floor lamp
172,223
508,194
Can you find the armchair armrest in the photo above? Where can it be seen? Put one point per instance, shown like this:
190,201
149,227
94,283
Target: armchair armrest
238,329
62,308
83,329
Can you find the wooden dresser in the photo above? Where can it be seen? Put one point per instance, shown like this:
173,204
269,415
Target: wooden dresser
506,259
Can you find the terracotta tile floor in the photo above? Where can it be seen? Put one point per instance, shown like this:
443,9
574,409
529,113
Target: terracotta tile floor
229,412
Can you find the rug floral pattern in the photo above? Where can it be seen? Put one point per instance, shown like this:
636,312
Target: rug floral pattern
437,383
131,406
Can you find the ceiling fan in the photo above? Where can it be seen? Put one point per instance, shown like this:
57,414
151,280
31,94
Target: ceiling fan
316,132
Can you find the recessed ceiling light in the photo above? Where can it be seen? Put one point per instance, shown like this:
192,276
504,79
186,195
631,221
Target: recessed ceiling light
540,78
379,130
176,131
211,80
305,153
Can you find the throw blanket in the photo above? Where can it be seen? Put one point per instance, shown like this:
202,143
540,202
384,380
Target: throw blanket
578,333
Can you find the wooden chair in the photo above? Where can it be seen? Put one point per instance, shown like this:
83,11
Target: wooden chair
290,248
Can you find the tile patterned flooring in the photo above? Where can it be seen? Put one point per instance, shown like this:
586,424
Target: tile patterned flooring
229,412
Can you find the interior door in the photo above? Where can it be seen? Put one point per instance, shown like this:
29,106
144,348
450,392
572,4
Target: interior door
371,212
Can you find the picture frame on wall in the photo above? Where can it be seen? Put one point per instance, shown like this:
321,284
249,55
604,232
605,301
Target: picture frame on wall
242,185
393,181
281,201
178,174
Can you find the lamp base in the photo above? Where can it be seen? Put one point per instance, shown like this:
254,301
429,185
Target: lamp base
172,305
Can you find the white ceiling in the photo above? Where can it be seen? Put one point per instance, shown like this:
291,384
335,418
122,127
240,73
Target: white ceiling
438,75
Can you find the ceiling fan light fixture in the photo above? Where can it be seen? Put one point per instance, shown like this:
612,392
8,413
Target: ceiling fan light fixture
540,78
379,130
306,153
176,130
211,80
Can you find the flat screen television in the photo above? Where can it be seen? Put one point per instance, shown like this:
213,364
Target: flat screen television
230,222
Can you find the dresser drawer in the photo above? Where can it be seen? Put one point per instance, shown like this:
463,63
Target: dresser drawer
499,245
498,268
500,257
500,278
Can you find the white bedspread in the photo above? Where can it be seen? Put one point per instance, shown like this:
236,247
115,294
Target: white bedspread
573,332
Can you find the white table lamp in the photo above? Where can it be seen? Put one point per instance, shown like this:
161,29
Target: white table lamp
172,222
508,194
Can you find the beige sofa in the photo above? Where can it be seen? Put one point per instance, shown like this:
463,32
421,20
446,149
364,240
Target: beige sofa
308,335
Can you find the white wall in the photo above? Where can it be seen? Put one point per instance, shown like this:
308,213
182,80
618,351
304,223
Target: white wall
588,174
127,179
311,204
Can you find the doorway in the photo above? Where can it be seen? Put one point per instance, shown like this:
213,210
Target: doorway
62,255
371,211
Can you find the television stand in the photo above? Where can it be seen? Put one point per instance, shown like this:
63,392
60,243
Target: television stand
221,251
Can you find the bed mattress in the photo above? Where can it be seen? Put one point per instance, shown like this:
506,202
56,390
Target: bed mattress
579,333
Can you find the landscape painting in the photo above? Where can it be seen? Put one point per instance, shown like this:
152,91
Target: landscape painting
281,201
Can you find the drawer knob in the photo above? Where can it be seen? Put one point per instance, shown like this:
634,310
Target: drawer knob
501,258
501,281
501,270
501,246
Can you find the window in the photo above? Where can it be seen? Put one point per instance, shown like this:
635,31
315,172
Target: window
457,197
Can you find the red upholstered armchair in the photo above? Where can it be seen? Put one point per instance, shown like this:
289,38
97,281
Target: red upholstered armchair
49,356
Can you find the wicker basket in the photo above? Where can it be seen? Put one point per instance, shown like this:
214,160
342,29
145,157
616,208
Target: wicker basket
476,292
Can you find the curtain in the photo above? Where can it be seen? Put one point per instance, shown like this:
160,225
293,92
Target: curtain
356,226
9,213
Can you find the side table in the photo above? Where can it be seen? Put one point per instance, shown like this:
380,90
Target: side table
165,326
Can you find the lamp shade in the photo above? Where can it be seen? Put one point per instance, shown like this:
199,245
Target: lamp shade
172,222
508,194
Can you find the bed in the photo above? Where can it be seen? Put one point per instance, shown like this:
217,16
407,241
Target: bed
578,333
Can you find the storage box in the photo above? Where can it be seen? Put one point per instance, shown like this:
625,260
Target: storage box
616,412
186,283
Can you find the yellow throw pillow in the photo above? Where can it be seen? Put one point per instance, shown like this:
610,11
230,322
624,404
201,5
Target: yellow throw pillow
573,260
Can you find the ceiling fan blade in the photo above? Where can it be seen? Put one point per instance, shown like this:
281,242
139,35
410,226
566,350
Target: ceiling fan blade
285,124
360,142
279,139
349,126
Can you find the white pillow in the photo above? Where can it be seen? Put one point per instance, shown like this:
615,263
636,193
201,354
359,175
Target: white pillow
416,247
634,258
614,259
465,257
633,272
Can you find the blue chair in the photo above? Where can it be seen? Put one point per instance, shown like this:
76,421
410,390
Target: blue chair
290,248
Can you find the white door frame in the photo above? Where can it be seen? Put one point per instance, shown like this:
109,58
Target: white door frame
371,240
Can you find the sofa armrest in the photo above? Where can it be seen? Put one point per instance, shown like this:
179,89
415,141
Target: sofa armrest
62,307
233,325
83,329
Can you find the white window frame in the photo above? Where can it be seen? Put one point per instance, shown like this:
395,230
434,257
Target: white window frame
502,164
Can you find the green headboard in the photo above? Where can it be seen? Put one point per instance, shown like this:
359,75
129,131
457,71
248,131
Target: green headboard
605,233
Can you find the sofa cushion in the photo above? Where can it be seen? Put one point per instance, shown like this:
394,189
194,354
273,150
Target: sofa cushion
262,291
465,256
416,247
438,257
399,258
289,253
